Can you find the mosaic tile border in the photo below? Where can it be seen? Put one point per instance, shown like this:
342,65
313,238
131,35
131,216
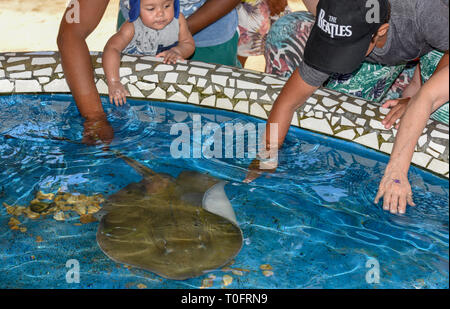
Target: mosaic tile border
240,90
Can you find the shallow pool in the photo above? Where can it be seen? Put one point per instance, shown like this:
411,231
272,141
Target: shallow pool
313,221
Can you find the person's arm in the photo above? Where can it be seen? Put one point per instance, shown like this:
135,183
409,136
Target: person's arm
185,47
311,5
78,70
399,106
394,187
209,12
293,95
111,62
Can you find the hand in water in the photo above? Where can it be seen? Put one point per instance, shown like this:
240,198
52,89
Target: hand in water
396,192
256,168
97,131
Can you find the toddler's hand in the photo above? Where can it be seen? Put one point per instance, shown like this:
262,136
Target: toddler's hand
170,56
117,93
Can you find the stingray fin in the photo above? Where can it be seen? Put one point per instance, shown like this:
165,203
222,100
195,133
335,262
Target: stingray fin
216,201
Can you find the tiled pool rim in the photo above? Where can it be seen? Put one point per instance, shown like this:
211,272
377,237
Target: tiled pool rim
240,90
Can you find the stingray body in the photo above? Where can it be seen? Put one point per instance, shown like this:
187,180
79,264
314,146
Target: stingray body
177,228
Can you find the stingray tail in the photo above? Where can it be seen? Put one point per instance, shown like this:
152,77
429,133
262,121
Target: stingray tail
139,167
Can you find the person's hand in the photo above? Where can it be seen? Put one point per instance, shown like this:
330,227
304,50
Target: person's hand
170,56
257,167
97,131
117,93
398,108
396,192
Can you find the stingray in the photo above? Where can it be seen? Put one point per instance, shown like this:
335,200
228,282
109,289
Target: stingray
178,228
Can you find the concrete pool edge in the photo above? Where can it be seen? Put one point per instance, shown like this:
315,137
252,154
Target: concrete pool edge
232,89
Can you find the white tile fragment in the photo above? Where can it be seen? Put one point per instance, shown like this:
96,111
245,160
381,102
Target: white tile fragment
346,134
209,101
219,79
28,86
145,86
151,78
171,78
386,147
43,72
20,75
257,111
224,103
242,84
229,92
201,82
142,66
241,106
265,97
318,125
163,68
6,86
99,71
186,88
351,108
439,148
102,87
329,102
198,71
42,60
57,85
439,134
182,67
194,98
177,97
20,67
422,140
126,58
438,166
125,72
16,59
273,81
421,159
158,94
241,95
369,140
134,91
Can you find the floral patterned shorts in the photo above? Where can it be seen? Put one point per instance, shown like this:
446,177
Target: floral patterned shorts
286,41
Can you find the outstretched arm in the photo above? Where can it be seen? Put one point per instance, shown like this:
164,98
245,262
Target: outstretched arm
209,12
394,187
111,62
293,95
77,66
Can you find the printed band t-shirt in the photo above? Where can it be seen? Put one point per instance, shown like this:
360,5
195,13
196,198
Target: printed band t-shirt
416,27
217,33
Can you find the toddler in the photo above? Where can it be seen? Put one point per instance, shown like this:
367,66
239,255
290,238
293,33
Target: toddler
155,28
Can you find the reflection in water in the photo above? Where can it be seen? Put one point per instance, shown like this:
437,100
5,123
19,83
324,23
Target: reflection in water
313,220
